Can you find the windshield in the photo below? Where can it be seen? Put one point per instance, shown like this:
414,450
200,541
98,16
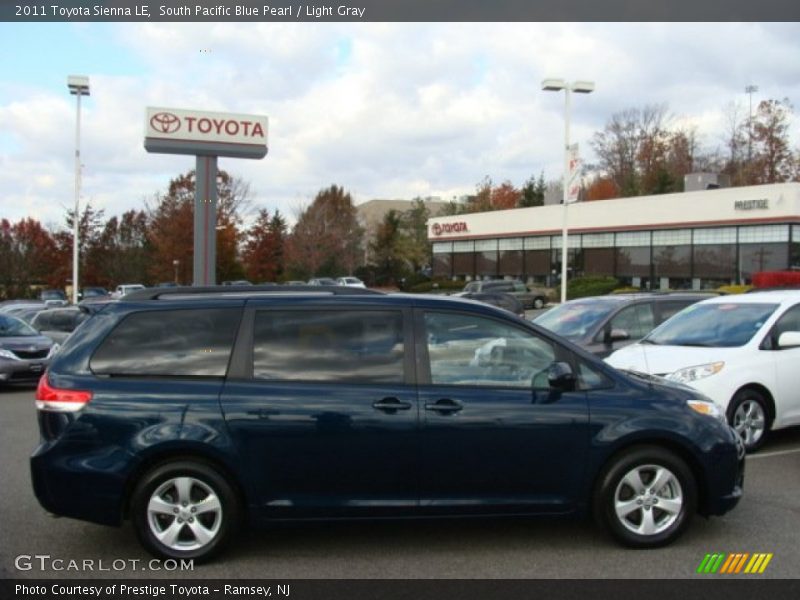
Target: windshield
12,327
717,325
53,295
575,320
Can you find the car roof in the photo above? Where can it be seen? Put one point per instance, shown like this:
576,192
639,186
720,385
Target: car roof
771,297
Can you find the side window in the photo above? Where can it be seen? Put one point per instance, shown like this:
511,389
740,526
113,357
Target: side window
177,343
520,287
474,351
637,320
337,346
789,321
42,321
667,309
590,378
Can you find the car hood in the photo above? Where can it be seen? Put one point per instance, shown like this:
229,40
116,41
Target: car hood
32,343
662,360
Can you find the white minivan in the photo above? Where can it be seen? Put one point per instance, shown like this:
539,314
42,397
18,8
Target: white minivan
741,351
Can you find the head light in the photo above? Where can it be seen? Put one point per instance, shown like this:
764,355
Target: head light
689,374
706,407
8,354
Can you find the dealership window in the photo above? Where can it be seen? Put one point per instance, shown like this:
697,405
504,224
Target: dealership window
486,259
794,256
714,257
464,259
633,258
763,233
442,259
754,258
510,258
537,265
598,254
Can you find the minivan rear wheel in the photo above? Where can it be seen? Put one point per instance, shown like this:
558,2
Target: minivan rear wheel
646,497
184,509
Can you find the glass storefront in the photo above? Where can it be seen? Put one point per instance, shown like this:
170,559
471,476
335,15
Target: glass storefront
698,258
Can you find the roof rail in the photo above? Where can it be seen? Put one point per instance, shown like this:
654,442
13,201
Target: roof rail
217,291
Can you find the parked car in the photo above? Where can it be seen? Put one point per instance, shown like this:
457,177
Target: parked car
93,292
28,314
499,299
322,281
741,351
18,307
186,410
603,324
164,284
126,288
24,352
533,298
237,282
350,282
295,282
59,323
54,297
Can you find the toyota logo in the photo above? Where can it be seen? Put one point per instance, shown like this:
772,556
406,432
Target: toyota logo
165,122
437,229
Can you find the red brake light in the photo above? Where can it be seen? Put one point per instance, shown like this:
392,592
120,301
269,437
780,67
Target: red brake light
54,399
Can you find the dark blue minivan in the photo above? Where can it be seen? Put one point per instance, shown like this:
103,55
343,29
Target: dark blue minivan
191,410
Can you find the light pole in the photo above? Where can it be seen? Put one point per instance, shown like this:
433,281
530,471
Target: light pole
579,87
750,90
78,86
175,264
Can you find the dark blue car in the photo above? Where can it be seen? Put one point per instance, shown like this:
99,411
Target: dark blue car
189,411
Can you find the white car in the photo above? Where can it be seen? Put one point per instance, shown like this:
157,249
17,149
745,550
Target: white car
742,351
350,282
126,288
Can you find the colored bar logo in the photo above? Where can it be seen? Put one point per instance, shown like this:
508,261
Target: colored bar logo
735,563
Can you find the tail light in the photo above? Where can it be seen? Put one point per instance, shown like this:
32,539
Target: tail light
59,400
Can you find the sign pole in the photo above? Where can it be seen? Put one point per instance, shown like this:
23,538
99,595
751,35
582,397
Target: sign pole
205,221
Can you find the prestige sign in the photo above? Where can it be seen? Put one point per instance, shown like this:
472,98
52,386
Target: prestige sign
182,131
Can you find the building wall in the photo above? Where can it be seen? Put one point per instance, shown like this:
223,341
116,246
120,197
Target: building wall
692,240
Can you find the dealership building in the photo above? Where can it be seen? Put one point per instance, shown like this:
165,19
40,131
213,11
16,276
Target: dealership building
691,240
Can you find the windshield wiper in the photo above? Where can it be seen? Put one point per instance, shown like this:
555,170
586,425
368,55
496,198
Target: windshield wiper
649,341
695,344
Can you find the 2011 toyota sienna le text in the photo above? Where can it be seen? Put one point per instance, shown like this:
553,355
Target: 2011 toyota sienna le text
189,410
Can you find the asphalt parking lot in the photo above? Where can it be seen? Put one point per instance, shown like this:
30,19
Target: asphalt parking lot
764,521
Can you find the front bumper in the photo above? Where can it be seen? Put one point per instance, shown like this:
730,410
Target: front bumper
726,478
22,370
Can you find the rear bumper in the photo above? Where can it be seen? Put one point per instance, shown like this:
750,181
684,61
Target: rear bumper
87,486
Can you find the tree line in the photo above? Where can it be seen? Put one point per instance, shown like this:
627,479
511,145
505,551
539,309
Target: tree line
648,151
155,244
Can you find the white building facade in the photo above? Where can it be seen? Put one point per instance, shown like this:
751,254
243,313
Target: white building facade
691,240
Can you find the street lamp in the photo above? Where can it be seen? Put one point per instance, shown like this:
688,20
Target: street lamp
78,86
579,87
750,90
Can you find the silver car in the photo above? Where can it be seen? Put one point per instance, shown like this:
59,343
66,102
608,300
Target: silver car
24,352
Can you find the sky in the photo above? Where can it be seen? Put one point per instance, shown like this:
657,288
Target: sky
386,110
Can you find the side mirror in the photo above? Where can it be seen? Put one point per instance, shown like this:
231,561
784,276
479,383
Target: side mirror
560,377
789,339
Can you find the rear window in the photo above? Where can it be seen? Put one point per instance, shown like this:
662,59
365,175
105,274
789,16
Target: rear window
177,343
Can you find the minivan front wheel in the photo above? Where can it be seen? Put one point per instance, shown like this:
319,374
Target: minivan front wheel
748,415
646,497
184,509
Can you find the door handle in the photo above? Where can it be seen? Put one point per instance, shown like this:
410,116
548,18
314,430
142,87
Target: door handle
444,406
391,405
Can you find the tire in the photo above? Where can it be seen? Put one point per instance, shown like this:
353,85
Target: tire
748,413
538,302
184,510
660,514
